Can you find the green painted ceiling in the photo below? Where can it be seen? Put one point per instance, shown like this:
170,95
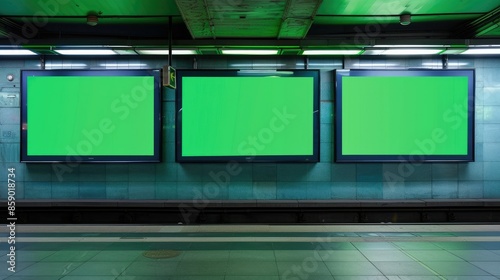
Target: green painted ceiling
273,21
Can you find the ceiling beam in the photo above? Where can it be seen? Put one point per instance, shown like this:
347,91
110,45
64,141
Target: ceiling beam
297,19
480,26
14,32
195,14
251,43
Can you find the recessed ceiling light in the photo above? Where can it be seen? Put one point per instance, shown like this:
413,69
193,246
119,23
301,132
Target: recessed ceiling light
86,52
331,52
16,52
403,51
482,51
165,52
251,52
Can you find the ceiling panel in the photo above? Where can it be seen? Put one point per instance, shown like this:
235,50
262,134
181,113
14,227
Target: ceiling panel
395,7
82,7
357,20
249,22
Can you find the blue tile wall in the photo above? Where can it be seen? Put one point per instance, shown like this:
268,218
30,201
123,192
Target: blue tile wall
267,181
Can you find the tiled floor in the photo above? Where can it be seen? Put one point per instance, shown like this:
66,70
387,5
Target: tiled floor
340,252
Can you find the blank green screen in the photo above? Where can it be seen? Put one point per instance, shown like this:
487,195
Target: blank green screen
247,116
90,115
404,115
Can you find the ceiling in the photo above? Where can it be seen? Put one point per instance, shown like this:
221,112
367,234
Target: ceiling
213,24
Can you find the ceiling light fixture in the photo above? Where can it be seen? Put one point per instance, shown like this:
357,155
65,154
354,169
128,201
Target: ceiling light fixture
251,52
86,52
16,52
332,52
92,20
482,51
402,51
405,19
165,52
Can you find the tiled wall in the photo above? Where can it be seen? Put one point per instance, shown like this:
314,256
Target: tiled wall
323,180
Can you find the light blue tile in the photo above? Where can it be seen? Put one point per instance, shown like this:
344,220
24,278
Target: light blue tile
9,152
491,133
492,114
319,190
9,134
343,190
189,190
444,189
479,154
492,189
491,171
304,172
492,95
168,133
418,190
240,190
480,132
471,171
215,191
37,190
92,190
320,172
326,133
116,172
491,152
92,172
117,190
166,190
343,172
168,121
293,172
141,172
264,172
38,173
479,95
394,190
65,171
10,116
326,85
369,172
407,171
444,171
326,112
291,190
168,94
141,190
190,173
479,114
470,189
264,190
64,190
166,172
230,171
168,152
326,153
369,190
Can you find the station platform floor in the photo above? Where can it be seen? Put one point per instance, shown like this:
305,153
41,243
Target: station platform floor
253,252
